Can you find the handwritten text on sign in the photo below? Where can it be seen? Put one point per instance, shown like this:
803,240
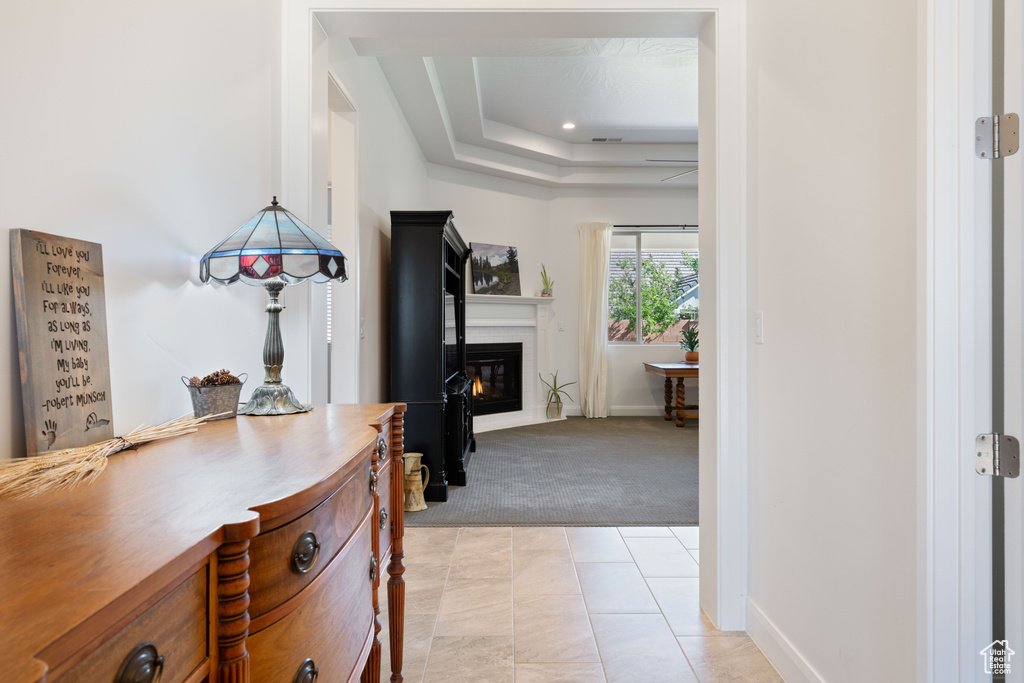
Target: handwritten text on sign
62,340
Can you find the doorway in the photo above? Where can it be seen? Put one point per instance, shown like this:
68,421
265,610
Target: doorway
722,208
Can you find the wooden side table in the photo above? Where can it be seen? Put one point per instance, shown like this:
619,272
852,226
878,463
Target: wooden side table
679,372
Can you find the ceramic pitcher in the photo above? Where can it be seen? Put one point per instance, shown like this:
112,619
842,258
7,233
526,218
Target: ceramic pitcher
416,477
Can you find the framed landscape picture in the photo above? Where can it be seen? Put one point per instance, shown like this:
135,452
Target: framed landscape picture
495,269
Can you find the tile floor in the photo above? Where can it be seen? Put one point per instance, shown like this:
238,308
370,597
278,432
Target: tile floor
563,605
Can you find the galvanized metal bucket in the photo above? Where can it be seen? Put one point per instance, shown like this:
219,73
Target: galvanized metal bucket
213,400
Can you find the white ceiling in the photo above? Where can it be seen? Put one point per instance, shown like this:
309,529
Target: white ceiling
490,94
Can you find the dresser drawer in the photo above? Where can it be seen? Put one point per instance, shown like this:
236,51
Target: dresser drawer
384,486
385,436
286,559
176,628
331,625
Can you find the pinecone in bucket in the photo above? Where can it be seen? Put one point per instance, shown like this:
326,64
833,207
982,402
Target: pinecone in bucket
214,379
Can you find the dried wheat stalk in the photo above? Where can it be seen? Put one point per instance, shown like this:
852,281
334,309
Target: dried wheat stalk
73,466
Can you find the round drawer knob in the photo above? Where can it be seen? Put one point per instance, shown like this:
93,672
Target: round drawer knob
373,568
307,672
383,518
373,482
142,665
305,552
382,448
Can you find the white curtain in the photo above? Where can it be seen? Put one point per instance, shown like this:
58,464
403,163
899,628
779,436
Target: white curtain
595,252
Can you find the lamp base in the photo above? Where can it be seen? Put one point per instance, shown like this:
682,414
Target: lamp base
273,399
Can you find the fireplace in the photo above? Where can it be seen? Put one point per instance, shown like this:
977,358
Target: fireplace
496,371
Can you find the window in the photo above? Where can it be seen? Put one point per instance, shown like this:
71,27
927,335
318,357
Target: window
665,264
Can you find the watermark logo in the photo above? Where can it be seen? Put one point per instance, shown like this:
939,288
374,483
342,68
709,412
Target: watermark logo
997,658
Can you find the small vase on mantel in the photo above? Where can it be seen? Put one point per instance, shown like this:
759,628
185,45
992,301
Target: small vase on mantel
546,281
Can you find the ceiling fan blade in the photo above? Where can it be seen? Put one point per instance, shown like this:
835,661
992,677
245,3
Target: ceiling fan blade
692,170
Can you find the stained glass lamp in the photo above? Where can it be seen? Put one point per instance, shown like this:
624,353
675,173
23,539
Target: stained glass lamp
272,250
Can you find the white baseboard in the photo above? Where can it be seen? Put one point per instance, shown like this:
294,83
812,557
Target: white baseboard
519,418
786,659
574,410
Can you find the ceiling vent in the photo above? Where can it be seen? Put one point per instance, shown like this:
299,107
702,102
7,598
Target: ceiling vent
606,139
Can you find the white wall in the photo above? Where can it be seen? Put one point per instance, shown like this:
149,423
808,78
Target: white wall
153,129
147,128
391,177
832,479
541,223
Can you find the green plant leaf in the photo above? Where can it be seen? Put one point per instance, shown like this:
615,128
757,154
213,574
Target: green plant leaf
555,390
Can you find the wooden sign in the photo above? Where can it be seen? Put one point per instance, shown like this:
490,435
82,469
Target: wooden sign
62,341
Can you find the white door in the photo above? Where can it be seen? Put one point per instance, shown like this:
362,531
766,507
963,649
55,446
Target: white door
1000,643
972,351
1011,516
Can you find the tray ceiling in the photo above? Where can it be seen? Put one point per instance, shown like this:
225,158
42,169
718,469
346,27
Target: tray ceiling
495,102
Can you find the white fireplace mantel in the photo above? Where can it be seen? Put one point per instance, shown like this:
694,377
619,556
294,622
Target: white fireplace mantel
493,310
488,314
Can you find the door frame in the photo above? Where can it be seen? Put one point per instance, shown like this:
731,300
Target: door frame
723,481
951,397
954,345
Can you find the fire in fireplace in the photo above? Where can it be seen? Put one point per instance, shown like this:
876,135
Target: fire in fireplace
496,371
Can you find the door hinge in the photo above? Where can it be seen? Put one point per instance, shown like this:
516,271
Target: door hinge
998,455
996,136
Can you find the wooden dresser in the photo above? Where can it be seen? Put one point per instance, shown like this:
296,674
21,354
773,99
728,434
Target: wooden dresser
251,550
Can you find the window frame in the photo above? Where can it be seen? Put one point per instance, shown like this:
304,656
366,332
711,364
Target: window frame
637,231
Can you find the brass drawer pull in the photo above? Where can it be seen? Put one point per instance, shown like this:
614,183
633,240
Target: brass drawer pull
373,568
382,449
305,552
383,518
142,665
373,482
307,672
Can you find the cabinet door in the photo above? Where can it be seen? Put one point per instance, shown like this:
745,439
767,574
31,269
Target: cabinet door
457,429
417,314
424,433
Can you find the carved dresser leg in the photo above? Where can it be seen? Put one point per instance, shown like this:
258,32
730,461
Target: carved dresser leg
396,568
396,609
371,672
233,611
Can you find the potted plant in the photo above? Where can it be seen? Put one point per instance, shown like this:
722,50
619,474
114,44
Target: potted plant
215,394
555,392
690,342
546,281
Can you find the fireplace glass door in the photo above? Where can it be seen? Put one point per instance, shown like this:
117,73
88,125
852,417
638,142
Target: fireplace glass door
496,371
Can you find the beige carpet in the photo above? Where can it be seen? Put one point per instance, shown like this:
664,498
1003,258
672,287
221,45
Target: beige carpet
615,471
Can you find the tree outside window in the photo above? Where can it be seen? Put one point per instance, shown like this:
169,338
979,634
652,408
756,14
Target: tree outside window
667,301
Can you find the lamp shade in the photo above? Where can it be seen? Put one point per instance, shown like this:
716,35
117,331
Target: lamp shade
273,246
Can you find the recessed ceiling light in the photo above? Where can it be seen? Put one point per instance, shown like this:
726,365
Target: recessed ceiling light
568,126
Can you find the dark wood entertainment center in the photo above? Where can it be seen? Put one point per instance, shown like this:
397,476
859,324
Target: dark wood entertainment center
428,344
